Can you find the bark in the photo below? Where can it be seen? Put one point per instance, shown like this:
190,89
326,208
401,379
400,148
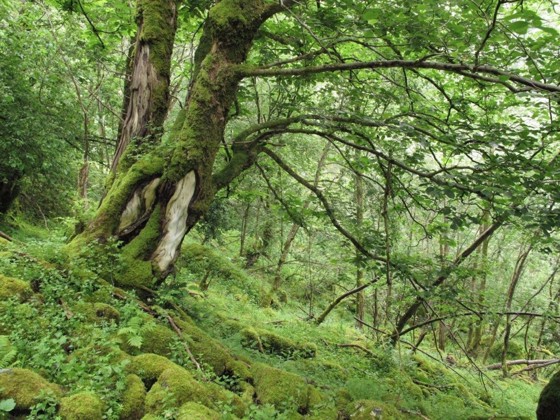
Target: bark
159,194
146,90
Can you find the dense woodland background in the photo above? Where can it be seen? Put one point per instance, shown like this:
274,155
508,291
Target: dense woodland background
250,209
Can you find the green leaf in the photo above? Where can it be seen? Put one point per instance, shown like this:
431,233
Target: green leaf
7,405
519,26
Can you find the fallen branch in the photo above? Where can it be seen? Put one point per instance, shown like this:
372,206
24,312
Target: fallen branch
6,237
185,345
551,362
357,346
539,362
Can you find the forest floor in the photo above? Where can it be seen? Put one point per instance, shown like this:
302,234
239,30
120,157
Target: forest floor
73,346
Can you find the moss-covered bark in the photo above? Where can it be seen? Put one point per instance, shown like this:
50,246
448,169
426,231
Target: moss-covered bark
147,91
157,198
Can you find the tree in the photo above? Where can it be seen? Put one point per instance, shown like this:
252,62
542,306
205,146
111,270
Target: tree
157,198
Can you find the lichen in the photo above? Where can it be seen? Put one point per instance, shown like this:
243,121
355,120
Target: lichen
26,387
14,288
82,406
133,398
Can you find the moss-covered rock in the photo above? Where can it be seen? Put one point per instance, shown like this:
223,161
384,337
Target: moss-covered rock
14,288
368,409
25,387
211,352
549,401
82,406
176,386
194,411
156,339
285,391
133,398
268,342
97,312
149,366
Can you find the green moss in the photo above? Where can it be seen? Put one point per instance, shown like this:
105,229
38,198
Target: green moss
176,386
209,351
194,411
137,272
14,288
549,401
156,339
133,398
149,366
82,406
25,387
269,342
97,312
284,390
368,409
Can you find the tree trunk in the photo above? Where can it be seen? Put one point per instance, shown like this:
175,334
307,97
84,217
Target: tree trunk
511,291
360,297
146,90
9,191
158,194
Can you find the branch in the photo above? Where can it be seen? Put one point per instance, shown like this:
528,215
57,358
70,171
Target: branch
339,299
464,69
456,263
6,237
539,363
329,210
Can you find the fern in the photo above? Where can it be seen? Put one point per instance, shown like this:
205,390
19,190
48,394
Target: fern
8,353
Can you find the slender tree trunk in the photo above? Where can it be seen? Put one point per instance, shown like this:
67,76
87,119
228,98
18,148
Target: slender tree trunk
360,296
521,261
244,224
277,282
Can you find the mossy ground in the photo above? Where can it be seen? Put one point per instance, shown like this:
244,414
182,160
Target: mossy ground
93,347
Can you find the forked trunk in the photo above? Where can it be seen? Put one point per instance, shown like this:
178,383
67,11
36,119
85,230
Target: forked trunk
158,196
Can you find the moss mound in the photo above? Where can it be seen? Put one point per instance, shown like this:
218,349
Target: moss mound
176,386
82,406
149,366
368,409
97,312
286,391
14,288
549,401
268,342
194,411
133,398
26,387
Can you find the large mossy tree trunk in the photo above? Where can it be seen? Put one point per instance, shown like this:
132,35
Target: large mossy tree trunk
153,203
